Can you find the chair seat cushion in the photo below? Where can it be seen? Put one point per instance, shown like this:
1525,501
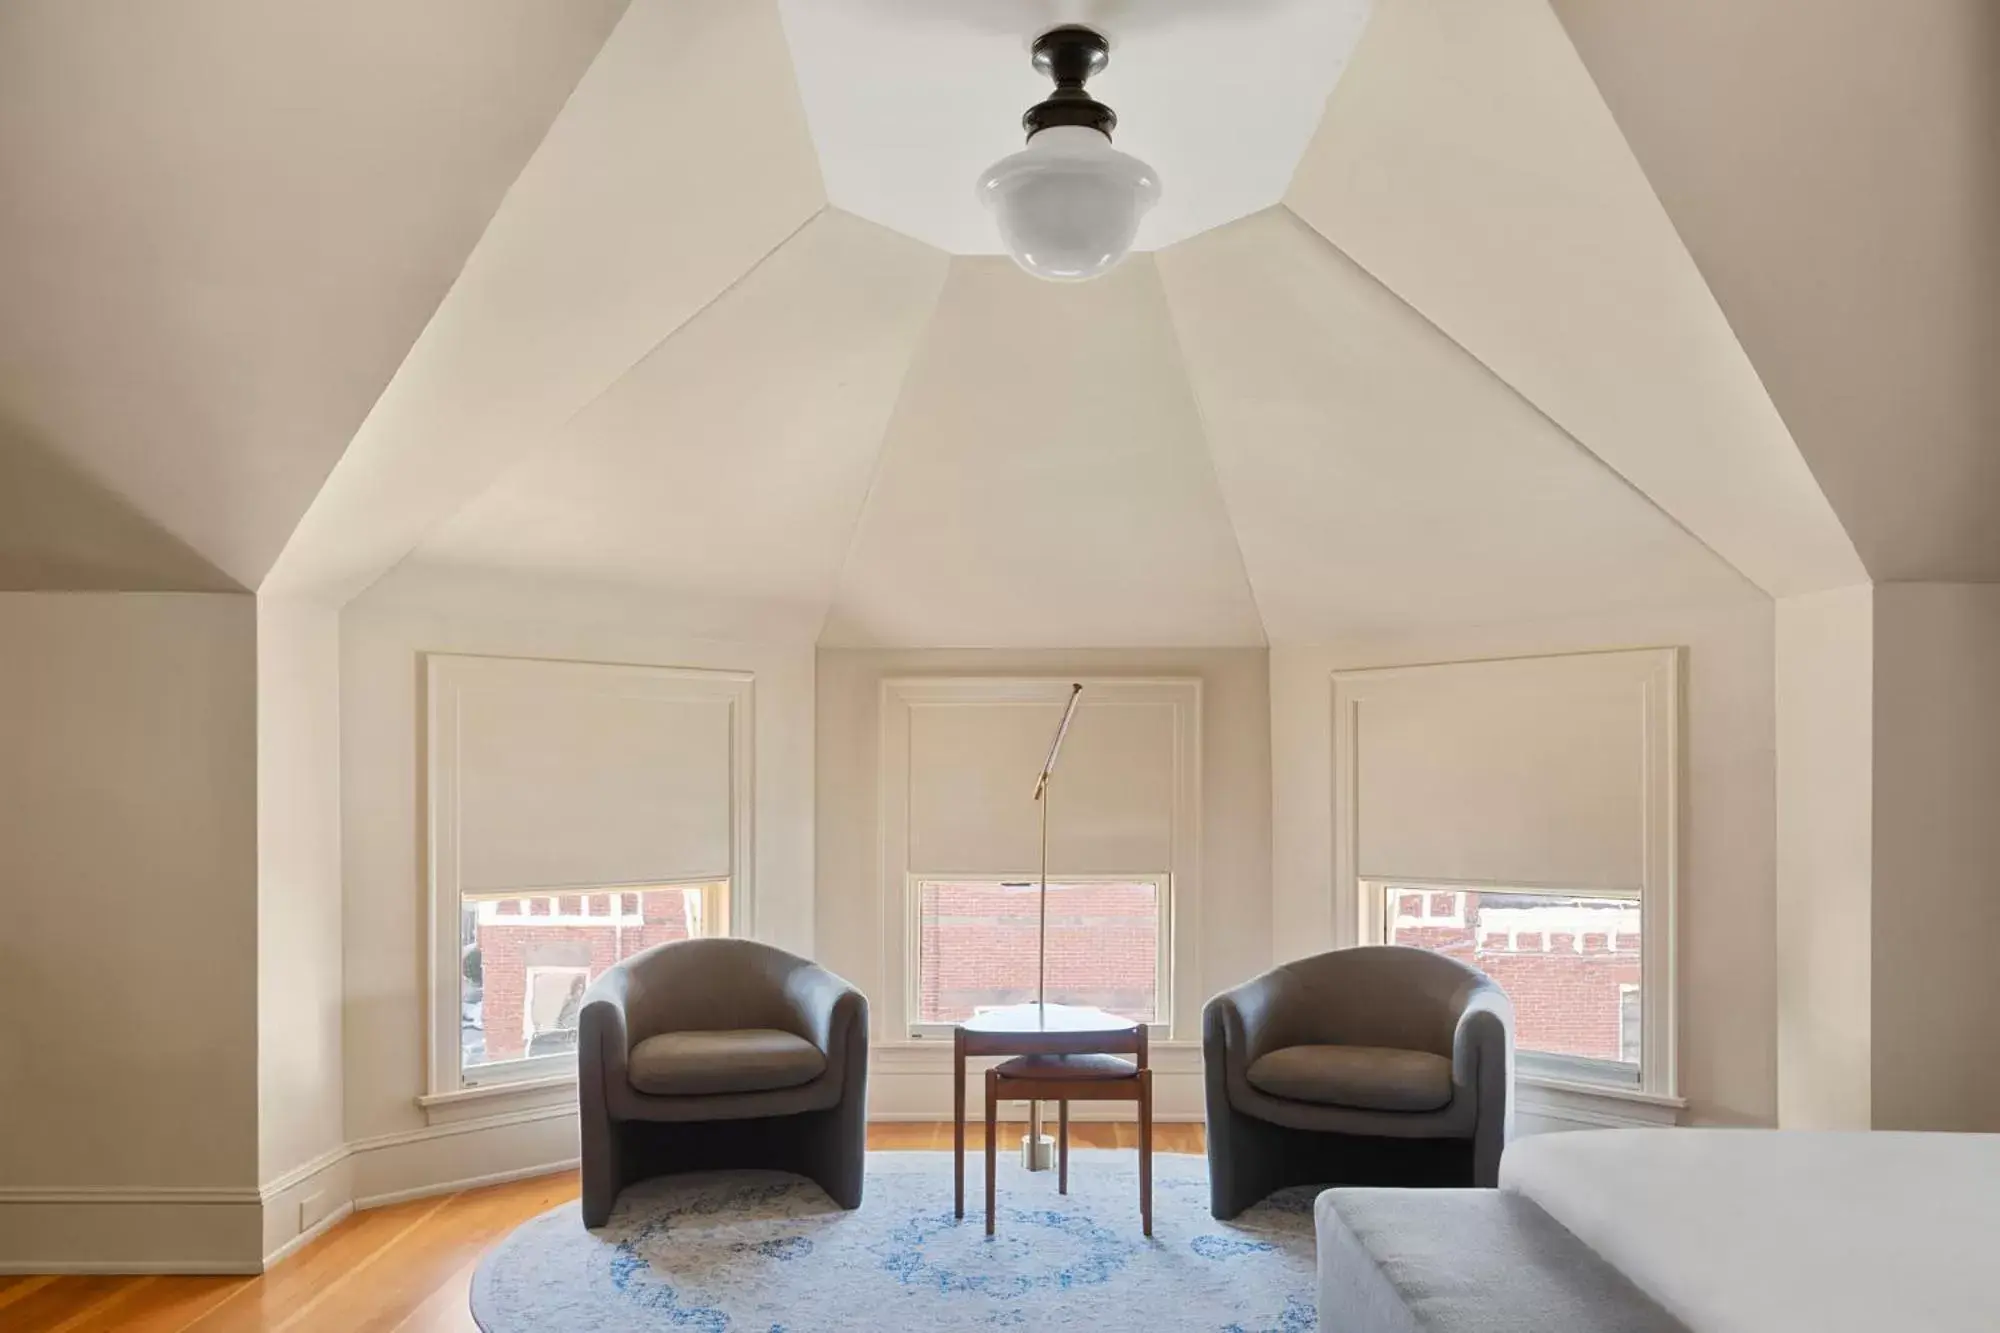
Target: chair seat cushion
1079,1067
1369,1078
693,1064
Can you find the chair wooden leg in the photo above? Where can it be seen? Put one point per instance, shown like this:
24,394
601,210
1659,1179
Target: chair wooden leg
1146,1151
1062,1147
958,1122
992,1143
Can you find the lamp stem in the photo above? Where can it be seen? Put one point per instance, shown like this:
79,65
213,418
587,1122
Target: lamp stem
1042,932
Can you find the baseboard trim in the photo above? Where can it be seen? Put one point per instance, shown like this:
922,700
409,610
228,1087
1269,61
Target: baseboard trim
471,1183
116,1194
112,1268
304,1238
303,1172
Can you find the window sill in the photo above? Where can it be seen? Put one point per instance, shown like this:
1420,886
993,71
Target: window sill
1570,1104
490,1099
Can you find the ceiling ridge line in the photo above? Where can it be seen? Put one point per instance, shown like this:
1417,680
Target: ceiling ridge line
562,428
1208,436
917,345
1530,403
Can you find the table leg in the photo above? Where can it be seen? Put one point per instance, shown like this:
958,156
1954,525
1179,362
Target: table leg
959,1123
1062,1147
992,1142
1146,1151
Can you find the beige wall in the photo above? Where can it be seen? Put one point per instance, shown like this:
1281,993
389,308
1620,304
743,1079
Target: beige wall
1826,792
1727,875
128,889
383,637
1936,923
298,896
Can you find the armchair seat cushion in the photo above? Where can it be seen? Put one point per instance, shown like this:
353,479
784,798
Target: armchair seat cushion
727,1060
1078,1068
1368,1078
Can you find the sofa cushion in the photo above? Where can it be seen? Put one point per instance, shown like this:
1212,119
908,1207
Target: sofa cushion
693,1064
1082,1068
1466,1261
1369,1078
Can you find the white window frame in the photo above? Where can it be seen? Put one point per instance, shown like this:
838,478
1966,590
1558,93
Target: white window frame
900,695
913,917
1358,910
446,677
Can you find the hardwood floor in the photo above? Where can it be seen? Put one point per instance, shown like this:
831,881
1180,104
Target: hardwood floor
402,1269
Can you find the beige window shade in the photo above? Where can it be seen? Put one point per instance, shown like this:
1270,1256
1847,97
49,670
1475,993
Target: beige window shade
972,769
568,778
1529,772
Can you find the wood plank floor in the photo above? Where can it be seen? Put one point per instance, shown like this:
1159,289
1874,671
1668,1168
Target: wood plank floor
406,1268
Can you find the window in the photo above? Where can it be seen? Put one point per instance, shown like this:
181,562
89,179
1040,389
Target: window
975,946
579,813
1523,815
1570,963
527,961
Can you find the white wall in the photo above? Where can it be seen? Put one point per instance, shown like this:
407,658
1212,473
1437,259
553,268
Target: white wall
1826,792
1936,919
128,930
384,634
1727,875
1234,923
298,904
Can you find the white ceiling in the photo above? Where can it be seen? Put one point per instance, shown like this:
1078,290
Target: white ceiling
224,223
704,353
910,100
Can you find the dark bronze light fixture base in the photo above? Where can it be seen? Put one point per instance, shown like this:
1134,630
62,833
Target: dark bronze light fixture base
1071,56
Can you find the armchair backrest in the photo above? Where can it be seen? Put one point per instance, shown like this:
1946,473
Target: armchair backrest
1377,995
702,985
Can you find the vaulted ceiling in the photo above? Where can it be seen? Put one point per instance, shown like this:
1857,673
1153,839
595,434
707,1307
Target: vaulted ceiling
683,299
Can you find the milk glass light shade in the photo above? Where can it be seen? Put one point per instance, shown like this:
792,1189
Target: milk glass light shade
1069,204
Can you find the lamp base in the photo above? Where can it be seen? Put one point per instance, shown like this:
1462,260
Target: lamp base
1038,1153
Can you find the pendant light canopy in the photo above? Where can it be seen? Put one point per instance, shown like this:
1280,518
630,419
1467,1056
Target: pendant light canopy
1069,205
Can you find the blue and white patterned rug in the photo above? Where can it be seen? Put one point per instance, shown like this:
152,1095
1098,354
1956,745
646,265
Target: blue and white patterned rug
759,1252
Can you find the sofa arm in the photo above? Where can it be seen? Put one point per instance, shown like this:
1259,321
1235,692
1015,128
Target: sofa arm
1482,1069
824,1007
1249,1021
602,1037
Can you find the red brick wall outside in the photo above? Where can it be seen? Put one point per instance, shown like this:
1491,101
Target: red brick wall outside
1567,1000
509,947
979,942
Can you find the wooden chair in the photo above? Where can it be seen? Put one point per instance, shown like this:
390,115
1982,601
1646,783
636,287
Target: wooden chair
1062,1079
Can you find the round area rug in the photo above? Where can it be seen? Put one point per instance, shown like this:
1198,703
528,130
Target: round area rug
760,1252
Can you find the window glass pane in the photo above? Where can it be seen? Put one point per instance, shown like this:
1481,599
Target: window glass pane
1569,962
978,947
527,961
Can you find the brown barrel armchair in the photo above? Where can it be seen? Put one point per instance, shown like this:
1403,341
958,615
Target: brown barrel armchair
705,1054
1381,1065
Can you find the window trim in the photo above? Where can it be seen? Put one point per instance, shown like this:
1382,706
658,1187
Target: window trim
913,915
445,676
899,696
1357,913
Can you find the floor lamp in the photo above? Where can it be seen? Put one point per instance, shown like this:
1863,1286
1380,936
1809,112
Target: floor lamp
1036,1147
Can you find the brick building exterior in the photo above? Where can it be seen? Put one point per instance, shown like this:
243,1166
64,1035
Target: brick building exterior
1570,966
979,942
554,947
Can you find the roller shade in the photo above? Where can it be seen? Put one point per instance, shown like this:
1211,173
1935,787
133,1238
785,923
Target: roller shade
576,775
972,771
1532,771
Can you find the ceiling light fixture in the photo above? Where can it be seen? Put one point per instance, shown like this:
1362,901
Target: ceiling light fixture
1069,204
